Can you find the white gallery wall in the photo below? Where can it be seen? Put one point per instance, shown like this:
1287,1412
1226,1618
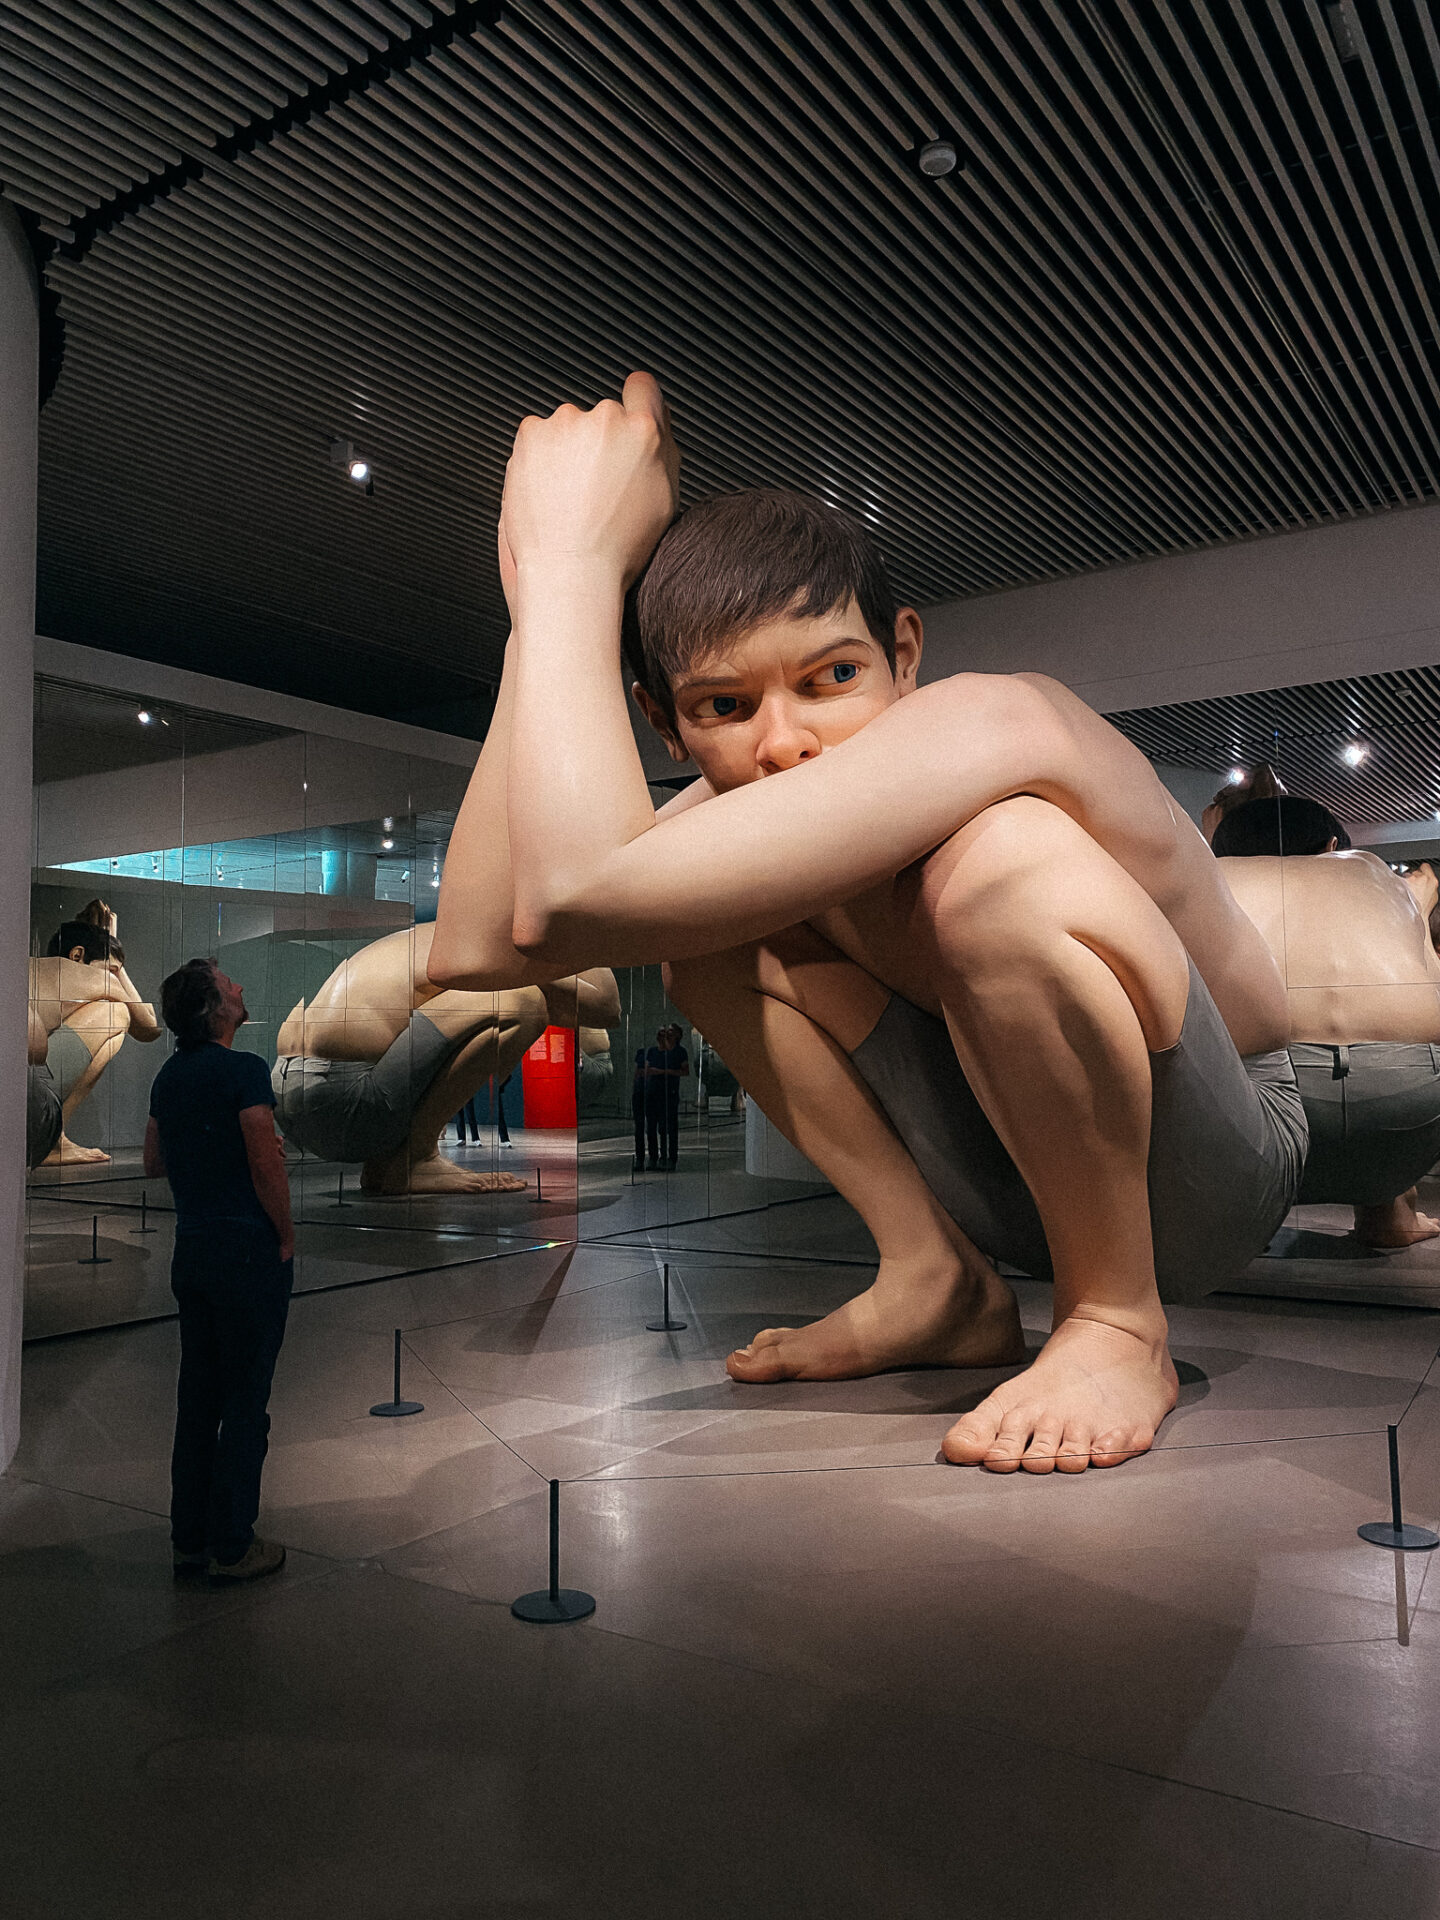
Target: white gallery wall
1362,596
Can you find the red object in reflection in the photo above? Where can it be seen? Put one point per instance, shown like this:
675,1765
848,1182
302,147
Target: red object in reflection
547,1074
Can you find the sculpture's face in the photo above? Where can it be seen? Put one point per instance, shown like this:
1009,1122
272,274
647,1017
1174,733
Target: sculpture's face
787,691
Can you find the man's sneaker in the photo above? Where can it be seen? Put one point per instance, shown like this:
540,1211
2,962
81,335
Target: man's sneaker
259,1558
189,1566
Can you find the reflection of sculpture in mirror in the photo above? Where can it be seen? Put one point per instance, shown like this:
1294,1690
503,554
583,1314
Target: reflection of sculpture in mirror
83,1004
1353,942
373,1067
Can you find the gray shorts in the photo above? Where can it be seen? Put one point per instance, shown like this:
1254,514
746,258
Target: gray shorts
67,1057
44,1117
1374,1113
1227,1146
359,1109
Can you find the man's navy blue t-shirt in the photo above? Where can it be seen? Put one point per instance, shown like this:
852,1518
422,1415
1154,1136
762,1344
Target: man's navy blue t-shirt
662,1092
197,1099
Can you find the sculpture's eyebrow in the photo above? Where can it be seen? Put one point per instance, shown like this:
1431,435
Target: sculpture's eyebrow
719,678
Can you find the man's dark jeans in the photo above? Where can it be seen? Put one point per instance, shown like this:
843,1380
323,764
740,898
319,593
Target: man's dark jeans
662,1125
233,1292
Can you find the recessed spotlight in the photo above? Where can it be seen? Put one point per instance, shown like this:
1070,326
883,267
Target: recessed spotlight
937,158
145,717
1354,754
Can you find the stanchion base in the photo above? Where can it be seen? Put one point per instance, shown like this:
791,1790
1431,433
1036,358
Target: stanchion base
568,1604
144,1229
1380,1533
393,1409
666,1326
94,1260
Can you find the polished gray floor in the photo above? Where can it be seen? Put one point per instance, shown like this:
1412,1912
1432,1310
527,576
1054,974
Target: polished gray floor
827,1676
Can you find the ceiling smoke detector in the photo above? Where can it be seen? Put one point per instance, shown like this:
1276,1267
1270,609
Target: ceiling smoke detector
937,158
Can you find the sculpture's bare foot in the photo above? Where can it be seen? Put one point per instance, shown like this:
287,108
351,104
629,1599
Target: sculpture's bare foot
1095,1397
433,1175
65,1153
1398,1224
955,1312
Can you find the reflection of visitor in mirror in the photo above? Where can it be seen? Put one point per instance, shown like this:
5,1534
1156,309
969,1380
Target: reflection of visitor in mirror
956,940
666,1064
83,1006
1352,939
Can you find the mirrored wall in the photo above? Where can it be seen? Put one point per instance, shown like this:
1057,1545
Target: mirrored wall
309,868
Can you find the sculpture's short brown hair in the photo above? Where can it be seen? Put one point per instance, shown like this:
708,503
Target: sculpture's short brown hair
733,561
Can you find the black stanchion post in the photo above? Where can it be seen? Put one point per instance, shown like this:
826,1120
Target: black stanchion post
144,1226
666,1324
554,1604
539,1196
394,1409
94,1258
1393,1532
340,1199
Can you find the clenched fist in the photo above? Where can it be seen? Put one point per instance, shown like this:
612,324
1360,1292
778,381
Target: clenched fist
596,487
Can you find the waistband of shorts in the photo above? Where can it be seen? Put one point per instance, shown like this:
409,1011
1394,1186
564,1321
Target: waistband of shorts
1371,1056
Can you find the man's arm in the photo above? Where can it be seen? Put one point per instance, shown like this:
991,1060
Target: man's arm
267,1170
154,1153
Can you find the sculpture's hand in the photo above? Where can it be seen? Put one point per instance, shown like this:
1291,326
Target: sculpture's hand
598,487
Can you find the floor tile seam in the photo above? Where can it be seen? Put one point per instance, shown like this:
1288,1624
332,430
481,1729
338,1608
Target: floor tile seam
517,1306
80,1493
484,1425
909,1466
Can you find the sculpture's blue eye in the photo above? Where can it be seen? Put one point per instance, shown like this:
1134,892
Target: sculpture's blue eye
846,670
724,704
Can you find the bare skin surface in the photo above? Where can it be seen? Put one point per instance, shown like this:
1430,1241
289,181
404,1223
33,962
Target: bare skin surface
366,1005
98,1001
1095,1397
1351,941
1400,1224
987,846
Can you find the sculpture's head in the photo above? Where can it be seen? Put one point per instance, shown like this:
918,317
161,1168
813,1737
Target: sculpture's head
1288,823
763,631
90,945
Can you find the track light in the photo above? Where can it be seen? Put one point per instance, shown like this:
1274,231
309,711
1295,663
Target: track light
937,158
1354,754
359,471
145,717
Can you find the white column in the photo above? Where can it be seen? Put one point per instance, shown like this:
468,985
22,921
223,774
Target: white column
19,355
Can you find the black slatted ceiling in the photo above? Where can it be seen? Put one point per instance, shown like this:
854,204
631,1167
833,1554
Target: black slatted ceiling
1184,290
1304,731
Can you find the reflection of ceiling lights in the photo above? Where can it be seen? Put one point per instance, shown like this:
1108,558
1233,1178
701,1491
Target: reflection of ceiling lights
1236,776
387,846
388,824
1354,754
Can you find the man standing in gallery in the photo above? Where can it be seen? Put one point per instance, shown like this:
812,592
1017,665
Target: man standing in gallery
211,1134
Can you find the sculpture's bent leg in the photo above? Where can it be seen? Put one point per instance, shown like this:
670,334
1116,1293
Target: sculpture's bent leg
1059,976
99,1029
785,1014
498,1037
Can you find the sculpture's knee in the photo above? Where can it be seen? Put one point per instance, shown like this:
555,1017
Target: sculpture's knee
992,891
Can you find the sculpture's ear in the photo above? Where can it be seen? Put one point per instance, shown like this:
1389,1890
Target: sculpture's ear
76,953
661,722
